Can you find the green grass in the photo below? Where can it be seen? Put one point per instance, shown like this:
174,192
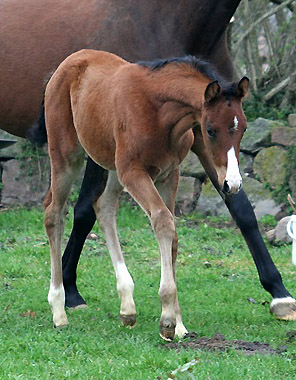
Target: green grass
95,346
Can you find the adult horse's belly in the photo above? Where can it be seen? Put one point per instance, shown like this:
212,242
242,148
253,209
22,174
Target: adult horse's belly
35,37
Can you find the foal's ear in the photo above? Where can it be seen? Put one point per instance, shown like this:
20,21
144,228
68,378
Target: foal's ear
243,87
212,91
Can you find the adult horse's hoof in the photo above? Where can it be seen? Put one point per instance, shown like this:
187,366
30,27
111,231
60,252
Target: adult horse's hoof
74,300
129,320
284,308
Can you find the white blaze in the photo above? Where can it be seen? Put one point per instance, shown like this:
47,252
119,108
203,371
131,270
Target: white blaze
233,177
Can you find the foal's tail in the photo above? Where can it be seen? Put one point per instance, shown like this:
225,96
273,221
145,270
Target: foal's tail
37,132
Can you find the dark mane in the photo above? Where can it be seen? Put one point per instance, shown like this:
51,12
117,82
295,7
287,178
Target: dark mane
203,67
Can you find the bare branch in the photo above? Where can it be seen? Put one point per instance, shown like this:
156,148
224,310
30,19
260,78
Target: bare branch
280,2
270,47
278,87
258,21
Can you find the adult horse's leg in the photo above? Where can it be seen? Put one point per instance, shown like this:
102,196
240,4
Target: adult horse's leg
93,185
283,304
106,208
167,191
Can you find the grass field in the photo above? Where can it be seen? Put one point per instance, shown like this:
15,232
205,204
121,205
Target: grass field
216,276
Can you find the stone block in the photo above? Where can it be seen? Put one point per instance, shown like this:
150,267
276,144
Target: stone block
246,163
210,202
260,198
23,183
292,120
191,167
270,166
258,135
281,233
284,136
188,192
266,207
13,150
292,183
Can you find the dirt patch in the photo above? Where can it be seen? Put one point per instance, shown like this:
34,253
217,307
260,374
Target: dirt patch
219,343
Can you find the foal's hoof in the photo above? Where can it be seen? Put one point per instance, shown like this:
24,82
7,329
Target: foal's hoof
284,308
180,331
78,307
58,327
167,330
60,322
167,333
129,320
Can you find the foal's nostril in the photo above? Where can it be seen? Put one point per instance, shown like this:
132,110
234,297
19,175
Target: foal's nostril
225,188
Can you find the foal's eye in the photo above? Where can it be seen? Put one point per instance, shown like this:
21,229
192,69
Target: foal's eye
211,133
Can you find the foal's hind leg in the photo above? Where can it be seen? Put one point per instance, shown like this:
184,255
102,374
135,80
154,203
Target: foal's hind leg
62,177
105,208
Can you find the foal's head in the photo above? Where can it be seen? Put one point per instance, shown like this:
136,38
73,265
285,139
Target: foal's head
223,126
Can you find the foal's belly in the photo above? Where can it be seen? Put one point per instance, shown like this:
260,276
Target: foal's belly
99,145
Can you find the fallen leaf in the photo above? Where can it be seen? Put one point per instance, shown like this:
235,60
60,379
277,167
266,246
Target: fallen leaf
92,236
28,313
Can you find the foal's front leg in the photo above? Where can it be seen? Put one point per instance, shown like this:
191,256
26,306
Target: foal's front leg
168,190
106,208
139,184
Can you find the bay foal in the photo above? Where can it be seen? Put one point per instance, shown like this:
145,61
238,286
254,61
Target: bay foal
136,121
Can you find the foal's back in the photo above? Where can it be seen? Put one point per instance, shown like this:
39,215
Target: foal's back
116,111
80,95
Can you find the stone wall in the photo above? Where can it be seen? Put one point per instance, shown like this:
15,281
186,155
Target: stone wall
264,165
25,172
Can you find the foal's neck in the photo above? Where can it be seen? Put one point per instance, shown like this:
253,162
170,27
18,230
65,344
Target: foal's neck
179,83
178,92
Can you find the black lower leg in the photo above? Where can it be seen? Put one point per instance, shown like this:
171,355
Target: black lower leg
84,218
243,213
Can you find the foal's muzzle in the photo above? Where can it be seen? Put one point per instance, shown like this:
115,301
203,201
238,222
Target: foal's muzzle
231,190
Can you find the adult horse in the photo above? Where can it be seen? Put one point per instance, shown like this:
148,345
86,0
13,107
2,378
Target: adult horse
36,35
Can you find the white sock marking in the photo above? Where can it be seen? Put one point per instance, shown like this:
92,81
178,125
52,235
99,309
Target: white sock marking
56,299
276,301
